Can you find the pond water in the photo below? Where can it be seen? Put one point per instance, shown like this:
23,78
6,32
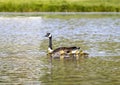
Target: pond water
23,49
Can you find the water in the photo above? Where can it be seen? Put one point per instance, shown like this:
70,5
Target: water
23,59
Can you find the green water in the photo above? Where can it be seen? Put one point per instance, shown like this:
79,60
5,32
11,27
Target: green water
23,49
95,71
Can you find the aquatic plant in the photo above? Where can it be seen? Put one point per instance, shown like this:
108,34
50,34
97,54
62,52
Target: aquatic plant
59,6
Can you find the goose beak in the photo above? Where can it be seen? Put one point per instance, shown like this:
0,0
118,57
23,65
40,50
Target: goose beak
45,36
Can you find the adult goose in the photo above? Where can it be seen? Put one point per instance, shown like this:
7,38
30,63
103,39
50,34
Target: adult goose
62,52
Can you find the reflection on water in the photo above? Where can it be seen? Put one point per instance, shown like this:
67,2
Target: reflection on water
23,47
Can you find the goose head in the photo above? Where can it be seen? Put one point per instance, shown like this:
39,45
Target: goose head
48,35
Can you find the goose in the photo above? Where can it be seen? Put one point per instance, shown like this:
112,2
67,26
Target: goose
62,51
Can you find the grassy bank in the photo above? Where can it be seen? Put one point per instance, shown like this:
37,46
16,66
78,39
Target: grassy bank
59,6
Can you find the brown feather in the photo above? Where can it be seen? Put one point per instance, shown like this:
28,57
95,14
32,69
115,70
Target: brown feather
65,49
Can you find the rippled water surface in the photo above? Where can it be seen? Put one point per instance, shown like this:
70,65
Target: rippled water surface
23,59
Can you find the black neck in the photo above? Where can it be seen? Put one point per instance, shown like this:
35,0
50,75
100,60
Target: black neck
50,42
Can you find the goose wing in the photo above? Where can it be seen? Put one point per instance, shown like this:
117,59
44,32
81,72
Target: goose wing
66,49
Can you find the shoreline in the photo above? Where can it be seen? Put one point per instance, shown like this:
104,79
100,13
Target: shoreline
52,13
61,14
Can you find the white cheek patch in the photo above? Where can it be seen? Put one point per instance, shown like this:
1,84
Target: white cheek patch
50,35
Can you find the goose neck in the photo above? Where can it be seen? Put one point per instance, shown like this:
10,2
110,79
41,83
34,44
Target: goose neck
50,42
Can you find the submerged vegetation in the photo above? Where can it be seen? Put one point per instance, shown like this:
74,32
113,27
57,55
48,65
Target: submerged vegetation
59,6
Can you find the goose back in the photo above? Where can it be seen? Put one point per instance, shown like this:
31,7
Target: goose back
66,51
